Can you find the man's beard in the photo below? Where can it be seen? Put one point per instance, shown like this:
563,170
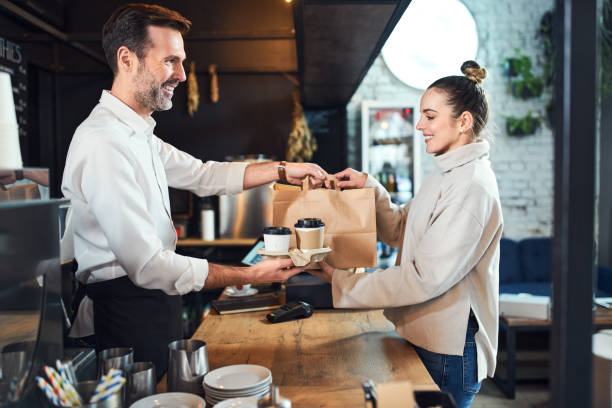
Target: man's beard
148,92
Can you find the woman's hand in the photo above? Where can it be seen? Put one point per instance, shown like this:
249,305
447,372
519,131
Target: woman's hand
325,273
350,178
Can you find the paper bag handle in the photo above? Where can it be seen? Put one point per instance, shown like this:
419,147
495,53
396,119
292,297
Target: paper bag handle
330,177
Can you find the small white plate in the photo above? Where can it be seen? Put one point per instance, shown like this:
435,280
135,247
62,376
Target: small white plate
234,293
212,401
250,402
249,392
237,377
170,400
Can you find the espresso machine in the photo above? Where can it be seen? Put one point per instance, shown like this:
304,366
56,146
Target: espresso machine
31,317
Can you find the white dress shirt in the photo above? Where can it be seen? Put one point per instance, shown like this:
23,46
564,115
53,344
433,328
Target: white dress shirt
449,258
117,176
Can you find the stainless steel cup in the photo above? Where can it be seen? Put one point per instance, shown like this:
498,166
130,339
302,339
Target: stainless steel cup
15,364
16,360
141,381
118,357
86,390
187,365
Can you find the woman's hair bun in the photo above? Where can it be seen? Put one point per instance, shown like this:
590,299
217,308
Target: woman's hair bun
473,71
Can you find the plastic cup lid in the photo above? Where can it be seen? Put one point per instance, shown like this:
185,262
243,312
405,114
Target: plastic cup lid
309,223
277,231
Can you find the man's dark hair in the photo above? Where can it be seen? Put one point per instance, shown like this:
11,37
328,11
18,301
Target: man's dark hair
127,26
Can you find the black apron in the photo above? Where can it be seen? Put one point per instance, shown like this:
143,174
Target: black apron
126,315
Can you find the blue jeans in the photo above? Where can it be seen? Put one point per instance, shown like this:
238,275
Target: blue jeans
457,375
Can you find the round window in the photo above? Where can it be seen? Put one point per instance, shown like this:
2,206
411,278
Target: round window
431,40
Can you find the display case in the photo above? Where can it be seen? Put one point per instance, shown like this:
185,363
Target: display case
391,153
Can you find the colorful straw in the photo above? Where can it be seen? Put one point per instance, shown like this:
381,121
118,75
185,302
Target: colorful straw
109,390
53,377
61,369
68,371
108,385
50,393
63,389
16,388
65,384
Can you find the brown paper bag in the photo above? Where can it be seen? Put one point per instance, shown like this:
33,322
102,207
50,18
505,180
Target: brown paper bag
349,217
20,192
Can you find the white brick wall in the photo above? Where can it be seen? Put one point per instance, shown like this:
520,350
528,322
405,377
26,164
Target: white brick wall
523,165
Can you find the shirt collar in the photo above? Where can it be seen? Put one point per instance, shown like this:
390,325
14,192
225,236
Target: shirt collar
139,125
462,155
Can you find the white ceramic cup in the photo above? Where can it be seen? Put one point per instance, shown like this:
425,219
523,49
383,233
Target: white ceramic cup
238,289
276,238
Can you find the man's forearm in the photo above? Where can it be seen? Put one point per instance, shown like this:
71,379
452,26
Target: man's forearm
257,174
222,275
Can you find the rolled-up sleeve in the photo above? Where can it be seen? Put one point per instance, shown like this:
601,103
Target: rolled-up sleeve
450,248
185,172
390,217
118,204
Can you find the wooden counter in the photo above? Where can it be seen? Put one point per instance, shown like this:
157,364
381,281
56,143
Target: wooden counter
187,242
320,361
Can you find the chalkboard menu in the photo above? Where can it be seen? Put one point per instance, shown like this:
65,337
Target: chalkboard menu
12,61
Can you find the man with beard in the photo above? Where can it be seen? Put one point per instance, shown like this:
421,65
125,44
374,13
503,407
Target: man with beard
117,176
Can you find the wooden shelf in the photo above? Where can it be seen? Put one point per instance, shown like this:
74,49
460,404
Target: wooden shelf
216,242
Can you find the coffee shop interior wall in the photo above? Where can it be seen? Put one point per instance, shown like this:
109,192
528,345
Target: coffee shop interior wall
523,165
256,75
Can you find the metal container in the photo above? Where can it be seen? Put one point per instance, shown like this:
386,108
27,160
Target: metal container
120,358
141,381
274,400
16,360
187,365
246,214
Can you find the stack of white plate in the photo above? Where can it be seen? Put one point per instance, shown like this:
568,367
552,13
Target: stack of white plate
237,381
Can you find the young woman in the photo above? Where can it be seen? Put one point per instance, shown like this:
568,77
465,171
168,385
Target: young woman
442,295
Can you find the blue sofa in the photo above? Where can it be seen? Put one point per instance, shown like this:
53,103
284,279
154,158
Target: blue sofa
525,267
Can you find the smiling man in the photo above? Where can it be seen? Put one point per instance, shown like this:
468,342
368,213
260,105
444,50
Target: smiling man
117,176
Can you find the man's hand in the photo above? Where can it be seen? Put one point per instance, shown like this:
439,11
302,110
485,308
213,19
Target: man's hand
297,171
325,273
273,270
350,178
7,177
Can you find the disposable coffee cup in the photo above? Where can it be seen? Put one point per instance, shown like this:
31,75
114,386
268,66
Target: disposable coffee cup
7,105
309,233
276,238
10,153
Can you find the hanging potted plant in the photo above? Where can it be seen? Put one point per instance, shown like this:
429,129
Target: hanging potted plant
529,86
513,66
526,125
